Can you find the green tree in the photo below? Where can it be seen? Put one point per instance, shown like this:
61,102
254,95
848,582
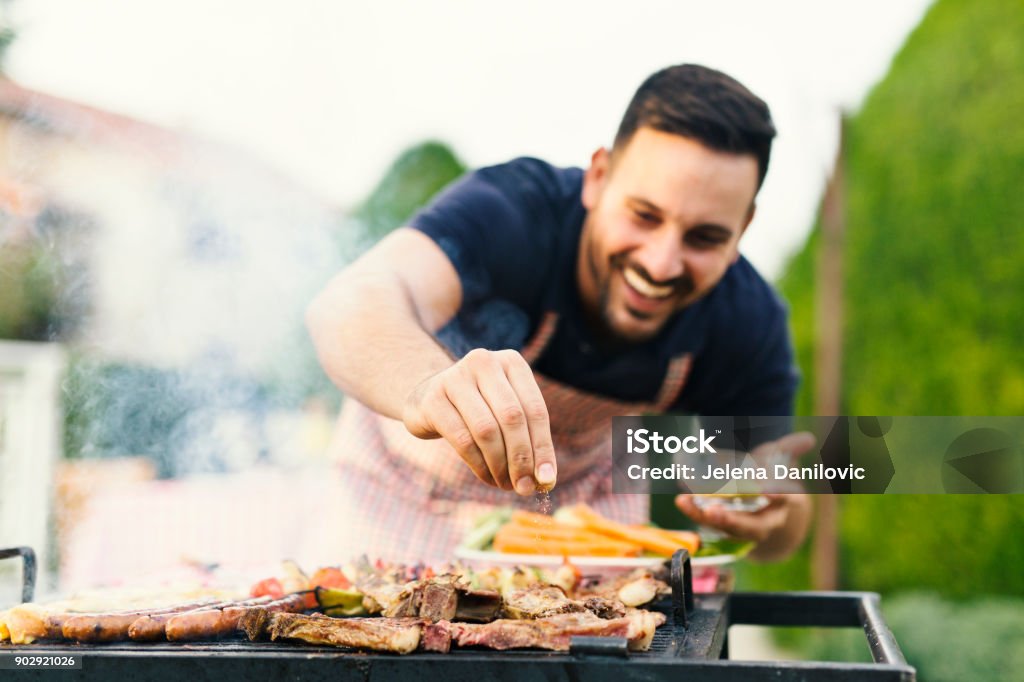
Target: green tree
411,181
29,282
933,270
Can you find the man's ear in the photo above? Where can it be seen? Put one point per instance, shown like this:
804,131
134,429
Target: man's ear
595,178
743,230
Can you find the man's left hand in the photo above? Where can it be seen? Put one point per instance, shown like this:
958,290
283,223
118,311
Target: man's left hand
778,528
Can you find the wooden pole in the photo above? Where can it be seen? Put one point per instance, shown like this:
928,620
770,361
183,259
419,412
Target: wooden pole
828,357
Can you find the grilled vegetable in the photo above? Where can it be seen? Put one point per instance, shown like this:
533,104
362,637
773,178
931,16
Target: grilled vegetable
485,528
339,602
270,587
330,576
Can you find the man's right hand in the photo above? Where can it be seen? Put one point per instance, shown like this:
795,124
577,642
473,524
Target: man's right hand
489,408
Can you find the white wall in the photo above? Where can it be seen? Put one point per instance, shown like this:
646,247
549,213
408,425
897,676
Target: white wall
30,444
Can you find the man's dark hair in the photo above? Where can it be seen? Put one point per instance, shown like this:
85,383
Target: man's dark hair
705,105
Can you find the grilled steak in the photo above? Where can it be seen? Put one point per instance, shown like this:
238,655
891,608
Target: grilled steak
438,600
552,632
539,601
477,606
605,608
397,635
437,637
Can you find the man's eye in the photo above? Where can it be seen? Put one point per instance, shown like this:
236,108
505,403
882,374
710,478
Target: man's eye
702,240
645,217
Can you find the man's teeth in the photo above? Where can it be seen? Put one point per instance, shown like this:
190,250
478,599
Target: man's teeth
644,287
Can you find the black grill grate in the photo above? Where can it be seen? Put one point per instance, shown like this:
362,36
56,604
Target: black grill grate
692,645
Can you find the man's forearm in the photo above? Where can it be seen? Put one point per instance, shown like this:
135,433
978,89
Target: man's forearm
370,342
373,330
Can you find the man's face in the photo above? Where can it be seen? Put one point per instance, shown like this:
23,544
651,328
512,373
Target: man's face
664,219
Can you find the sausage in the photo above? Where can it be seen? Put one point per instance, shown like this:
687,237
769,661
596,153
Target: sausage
203,624
215,623
150,628
106,627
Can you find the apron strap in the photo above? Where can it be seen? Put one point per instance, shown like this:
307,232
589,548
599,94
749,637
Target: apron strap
675,378
536,345
671,386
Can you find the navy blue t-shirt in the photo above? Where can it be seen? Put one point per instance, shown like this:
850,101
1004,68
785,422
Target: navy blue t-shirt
512,232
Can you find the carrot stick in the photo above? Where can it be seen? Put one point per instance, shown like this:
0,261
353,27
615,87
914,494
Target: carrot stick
642,536
590,543
553,535
516,544
553,532
532,518
683,538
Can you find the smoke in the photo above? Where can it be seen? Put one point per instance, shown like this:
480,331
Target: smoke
182,292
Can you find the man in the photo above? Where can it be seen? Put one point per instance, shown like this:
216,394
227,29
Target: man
486,346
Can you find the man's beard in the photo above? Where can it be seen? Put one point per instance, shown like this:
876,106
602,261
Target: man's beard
612,337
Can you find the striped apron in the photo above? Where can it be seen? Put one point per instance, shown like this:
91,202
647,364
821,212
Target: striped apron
407,499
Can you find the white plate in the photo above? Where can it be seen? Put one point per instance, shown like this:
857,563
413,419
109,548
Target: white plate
482,558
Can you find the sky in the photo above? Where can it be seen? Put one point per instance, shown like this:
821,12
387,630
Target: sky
331,92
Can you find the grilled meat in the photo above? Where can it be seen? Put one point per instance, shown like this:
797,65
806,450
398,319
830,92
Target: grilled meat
108,627
642,625
385,591
605,608
397,635
635,589
438,600
551,632
443,597
216,623
437,637
151,628
24,624
254,623
477,606
543,601
539,601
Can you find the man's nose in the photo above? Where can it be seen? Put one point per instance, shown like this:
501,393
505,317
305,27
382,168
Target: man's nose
662,257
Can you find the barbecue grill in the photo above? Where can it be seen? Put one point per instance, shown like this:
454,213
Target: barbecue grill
691,645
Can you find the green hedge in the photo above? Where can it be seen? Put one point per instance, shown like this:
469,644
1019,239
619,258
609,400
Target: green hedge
933,271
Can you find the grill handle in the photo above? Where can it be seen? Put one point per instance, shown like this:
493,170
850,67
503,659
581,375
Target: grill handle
28,569
617,647
881,641
681,580
820,609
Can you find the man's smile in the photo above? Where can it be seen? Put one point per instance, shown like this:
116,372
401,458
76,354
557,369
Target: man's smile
644,287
